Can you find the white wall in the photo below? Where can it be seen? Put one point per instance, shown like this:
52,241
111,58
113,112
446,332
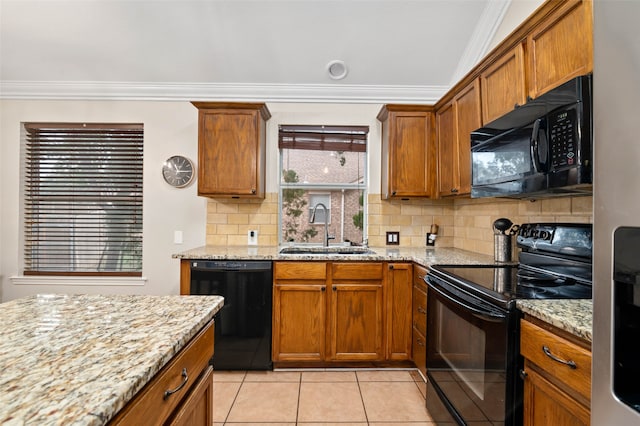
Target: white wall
169,128
518,11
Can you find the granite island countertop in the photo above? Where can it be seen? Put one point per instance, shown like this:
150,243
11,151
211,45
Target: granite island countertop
574,316
420,255
78,359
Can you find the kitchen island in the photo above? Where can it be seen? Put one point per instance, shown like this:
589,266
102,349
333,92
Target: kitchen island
80,359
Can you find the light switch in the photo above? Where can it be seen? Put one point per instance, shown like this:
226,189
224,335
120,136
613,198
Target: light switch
177,237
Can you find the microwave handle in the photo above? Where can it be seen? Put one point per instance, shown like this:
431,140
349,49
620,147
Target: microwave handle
535,146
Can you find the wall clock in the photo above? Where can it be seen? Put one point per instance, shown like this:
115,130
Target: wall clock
178,171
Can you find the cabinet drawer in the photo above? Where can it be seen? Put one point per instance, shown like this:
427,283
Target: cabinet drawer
299,270
419,272
533,343
420,310
420,351
150,406
356,271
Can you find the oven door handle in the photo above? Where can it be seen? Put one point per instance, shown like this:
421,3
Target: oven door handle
484,314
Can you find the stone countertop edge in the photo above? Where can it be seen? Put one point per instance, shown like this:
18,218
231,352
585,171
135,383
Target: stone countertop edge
572,315
79,359
421,255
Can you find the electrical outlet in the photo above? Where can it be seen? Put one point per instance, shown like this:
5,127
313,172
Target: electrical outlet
393,238
252,237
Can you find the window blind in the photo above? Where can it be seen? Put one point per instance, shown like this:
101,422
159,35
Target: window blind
83,199
324,138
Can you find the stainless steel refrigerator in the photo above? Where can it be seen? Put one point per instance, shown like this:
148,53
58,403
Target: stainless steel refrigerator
615,392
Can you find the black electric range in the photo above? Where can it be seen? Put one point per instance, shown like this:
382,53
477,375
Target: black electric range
554,263
473,355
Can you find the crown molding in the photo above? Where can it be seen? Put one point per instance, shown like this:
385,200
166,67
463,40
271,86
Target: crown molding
323,93
478,46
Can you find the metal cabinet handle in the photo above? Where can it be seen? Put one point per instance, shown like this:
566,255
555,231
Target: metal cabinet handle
419,342
335,288
323,288
170,392
454,190
569,363
523,374
253,190
390,266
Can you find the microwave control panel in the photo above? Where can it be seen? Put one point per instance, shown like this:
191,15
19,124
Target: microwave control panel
562,135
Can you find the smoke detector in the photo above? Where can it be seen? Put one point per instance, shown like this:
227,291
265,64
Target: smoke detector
337,69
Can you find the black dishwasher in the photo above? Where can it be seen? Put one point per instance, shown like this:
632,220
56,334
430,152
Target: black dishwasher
243,325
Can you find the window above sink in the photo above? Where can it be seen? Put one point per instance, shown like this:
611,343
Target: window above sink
322,165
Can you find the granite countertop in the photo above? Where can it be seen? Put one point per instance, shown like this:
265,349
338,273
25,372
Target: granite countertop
420,255
574,316
78,359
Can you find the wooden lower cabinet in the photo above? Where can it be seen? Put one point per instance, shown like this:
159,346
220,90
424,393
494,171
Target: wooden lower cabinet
189,379
355,325
399,300
299,318
198,408
333,312
556,391
299,311
419,319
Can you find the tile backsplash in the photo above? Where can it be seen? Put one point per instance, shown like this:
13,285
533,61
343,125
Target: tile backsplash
463,223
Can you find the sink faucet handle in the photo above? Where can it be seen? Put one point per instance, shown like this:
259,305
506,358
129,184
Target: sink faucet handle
331,237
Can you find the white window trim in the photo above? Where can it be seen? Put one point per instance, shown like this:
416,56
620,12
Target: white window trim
93,281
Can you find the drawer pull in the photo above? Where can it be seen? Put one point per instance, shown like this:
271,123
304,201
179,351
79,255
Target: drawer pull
548,353
170,392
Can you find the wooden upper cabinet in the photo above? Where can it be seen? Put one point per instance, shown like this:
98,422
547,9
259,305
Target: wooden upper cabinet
503,84
231,149
561,47
447,147
468,119
408,151
455,121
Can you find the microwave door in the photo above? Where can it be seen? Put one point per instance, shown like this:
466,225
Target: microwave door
504,165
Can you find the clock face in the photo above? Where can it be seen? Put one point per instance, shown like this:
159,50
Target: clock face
178,171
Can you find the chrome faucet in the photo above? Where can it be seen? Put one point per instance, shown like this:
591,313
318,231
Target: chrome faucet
326,223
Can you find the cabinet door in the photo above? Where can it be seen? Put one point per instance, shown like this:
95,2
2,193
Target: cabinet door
399,309
561,47
411,155
355,330
468,118
231,149
503,85
546,404
455,121
446,131
299,322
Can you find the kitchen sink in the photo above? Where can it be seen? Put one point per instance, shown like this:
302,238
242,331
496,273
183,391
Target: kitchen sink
336,250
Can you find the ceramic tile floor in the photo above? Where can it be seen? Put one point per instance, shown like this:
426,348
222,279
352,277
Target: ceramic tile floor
319,398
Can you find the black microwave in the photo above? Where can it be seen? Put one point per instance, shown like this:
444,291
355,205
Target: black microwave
540,149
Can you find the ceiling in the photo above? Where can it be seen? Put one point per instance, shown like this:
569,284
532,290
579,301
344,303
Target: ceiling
268,50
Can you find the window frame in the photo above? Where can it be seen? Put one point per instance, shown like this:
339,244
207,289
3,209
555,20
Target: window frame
328,188
123,145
